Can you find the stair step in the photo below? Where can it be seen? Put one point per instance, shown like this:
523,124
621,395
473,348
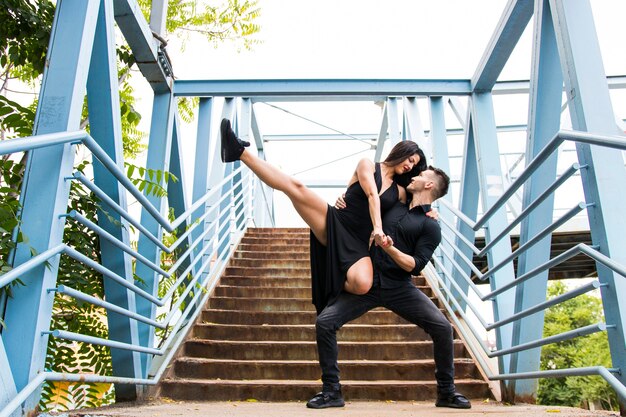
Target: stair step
306,332
271,350
269,272
275,240
262,304
365,370
303,248
281,281
262,292
265,254
271,263
292,317
302,282
302,390
275,292
274,230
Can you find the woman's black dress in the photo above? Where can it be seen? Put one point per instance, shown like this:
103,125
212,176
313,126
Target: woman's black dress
347,233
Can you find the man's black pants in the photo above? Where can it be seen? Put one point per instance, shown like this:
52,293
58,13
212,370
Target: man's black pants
409,303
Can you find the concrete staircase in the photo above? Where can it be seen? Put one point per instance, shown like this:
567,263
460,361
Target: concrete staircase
256,338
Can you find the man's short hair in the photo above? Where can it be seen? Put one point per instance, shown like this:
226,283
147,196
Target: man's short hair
442,182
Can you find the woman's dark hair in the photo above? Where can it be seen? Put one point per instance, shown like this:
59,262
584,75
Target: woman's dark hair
400,152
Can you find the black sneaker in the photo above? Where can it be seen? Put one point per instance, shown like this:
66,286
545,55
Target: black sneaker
454,400
326,399
232,146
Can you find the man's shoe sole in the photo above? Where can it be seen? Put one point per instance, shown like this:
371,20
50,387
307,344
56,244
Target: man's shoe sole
327,405
224,128
451,405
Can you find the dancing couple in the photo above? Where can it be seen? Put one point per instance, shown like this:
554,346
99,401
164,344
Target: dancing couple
365,250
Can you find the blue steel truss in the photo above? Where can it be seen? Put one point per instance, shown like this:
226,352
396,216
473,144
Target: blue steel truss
226,200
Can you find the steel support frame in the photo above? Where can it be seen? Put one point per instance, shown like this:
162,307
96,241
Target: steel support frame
514,20
491,182
468,204
201,166
263,214
229,111
106,128
177,197
591,111
440,158
45,191
389,127
159,156
543,123
414,128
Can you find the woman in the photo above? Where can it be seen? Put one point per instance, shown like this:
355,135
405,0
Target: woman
340,238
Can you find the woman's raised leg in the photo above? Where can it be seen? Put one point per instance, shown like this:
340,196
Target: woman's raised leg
310,206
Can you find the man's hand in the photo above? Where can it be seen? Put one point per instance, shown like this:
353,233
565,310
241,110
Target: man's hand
433,214
387,243
341,202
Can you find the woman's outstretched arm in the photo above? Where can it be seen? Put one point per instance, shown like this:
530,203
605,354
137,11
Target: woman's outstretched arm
365,176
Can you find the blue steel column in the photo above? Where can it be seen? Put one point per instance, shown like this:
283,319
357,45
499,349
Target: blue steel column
7,384
244,123
215,168
177,199
201,165
415,128
159,148
391,123
228,111
468,204
46,191
490,177
176,196
106,128
543,122
382,133
591,111
441,159
264,196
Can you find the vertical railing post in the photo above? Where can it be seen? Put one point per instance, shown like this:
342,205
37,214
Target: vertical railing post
441,159
229,112
201,167
45,190
490,177
159,151
468,204
263,206
543,122
591,110
106,128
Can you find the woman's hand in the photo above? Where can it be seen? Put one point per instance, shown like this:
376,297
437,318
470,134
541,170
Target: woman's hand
377,236
341,202
433,214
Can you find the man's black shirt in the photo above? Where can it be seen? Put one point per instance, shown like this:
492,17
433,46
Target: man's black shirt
414,234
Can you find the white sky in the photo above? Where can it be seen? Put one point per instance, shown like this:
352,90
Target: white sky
381,39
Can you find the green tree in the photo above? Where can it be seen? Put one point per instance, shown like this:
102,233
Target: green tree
592,350
25,27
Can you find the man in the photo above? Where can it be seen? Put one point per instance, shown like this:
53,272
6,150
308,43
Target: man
411,238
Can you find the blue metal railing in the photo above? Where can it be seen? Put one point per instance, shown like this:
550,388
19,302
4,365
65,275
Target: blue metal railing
450,292
210,248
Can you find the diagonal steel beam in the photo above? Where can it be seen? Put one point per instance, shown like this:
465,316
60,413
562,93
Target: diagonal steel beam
514,20
144,45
